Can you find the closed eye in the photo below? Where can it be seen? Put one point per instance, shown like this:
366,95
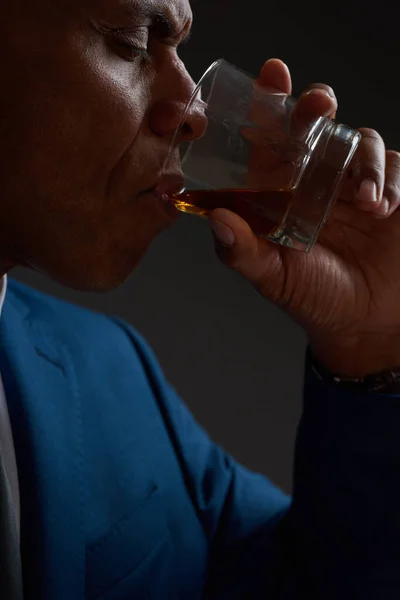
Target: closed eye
130,45
132,52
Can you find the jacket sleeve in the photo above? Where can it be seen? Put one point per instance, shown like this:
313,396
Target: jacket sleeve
344,524
339,537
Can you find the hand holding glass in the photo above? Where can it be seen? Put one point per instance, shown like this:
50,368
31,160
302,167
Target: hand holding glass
279,172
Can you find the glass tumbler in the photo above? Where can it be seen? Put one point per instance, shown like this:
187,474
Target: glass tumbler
280,171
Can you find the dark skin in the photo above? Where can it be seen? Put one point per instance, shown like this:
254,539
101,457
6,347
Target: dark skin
86,122
93,91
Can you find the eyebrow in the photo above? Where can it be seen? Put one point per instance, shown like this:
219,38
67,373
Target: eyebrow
163,23
164,27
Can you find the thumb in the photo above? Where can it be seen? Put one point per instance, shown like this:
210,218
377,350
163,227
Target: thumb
240,249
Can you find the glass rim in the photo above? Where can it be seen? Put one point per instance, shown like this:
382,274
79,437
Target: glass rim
213,67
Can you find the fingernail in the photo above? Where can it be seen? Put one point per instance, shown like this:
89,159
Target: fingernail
223,233
320,91
368,191
384,207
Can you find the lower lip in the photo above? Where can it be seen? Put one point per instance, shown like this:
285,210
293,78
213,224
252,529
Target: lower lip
165,204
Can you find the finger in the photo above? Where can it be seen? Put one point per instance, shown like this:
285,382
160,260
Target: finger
315,89
365,177
272,164
268,116
268,109
275,76
317,101
239,248
391,193
368,171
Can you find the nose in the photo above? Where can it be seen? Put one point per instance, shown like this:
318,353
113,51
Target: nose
173,111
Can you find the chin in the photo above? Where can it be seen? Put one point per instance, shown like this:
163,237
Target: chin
99,275
102,259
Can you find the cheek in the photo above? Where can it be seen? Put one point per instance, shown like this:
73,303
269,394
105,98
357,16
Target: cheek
70,122
72,147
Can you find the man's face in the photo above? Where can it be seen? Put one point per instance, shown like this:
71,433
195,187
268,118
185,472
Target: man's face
86,120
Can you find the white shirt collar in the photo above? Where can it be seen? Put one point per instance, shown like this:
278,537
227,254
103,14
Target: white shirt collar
3,289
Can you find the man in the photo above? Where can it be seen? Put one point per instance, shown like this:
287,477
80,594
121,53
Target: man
117,492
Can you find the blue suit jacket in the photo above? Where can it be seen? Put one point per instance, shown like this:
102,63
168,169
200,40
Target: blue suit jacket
125,497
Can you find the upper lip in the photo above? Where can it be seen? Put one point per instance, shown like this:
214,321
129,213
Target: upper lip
168,184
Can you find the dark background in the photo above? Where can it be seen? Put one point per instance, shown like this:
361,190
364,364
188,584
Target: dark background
234,358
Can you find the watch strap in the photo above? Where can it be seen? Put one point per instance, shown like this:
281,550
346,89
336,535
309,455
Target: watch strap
385,382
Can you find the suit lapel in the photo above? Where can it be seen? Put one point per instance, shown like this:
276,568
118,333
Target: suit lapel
45,412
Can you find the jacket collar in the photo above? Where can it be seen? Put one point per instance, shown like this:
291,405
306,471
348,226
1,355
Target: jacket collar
3,290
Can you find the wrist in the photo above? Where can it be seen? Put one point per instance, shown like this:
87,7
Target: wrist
384,382
356,359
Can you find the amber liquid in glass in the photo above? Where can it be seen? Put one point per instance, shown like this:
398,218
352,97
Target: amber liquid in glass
264,210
